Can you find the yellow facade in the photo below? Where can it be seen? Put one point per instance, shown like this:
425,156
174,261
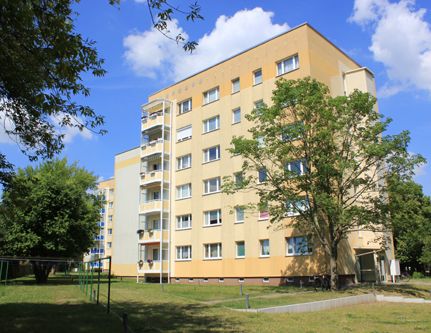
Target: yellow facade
160,180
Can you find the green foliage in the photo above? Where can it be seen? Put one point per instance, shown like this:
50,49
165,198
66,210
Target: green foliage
42,62
418,275
49,211
411,219
345,156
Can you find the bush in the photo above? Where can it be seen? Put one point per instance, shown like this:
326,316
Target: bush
418,275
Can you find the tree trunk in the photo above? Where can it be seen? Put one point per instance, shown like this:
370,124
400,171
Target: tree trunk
333,267
41,271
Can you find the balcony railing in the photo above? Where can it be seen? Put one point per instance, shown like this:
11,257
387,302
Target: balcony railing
154,119
99,238
152,266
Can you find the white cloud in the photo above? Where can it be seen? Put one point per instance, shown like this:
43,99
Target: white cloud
70,132
5,124
150,54
420,170
401,40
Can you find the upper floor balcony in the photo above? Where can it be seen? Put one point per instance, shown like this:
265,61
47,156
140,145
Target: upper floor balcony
154,176
155,205
156,146
154,119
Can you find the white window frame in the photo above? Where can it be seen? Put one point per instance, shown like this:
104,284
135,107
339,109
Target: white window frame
185,106
236,85
206,153
184,222
302,166
234,112
206,124
207,95
208,184
183,253
292,246
180,191
263,254
207,218
109,231
301,205
237,209
256,82
208,249
281,65
236,249
184,137
181,164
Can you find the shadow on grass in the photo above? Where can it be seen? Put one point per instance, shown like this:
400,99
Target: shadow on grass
64,318
174,317
55,280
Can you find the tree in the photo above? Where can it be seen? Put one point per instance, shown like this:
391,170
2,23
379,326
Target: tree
323,160
49,211
410,213
42,63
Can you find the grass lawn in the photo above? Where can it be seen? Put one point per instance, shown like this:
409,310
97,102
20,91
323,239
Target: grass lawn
201,308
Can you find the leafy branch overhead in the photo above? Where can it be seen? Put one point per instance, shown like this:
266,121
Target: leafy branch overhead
162,12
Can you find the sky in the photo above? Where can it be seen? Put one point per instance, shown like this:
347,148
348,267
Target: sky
390,37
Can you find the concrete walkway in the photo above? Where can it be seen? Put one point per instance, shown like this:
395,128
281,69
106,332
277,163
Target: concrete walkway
336,303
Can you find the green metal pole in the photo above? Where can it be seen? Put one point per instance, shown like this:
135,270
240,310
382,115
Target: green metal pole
7,268
98,281
86,280
109,285
1,270
91,286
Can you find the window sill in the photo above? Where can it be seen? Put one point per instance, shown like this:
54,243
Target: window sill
216,100
264,256
238,222
181,113
256,84
210,131
181,229
263,218
299,254
185,139
235,92
243,257
218,258
179,199
217,159
205,194
278,75
237,122
212,225
184,168
182,260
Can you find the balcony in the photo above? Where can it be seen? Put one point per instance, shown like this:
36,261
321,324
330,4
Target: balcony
155,176
154,119
99,238
152,266
152,206
152,236
154,147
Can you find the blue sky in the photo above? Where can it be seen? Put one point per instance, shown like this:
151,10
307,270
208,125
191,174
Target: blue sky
391,37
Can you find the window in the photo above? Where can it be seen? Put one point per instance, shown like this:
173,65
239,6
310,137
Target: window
264,247
156,253
184,221
259,104
184,133
236,116
260,141
156,225
109,245
211,95
235,85
212,154
241,280
221,280
205,280
184,191
239,214
155,195
238,178
262,175
297,246
240,249
265,280
263,214
212,185
293,131
191,280
212,251
109,231
212,217
185,106
184,252
294,207
257,76
184,162
211,124
111,204
110,218
298,167
287,65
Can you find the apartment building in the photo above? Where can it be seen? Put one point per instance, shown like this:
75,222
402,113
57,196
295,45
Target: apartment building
186,229
103,240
